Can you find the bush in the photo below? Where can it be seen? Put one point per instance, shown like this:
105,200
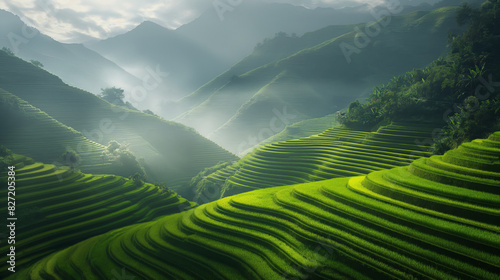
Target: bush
4,151
164,190
71,159
113,146
37,63
5,162
475,120
8,51
138,179
125,163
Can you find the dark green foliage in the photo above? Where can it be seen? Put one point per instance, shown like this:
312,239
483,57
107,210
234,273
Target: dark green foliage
4,151
113,95
475,120
447,86
138,179
128,162
207,171
8,51
124,162
37,63
192,189
71,159
5,162
149,112
113,146
164,190
465,14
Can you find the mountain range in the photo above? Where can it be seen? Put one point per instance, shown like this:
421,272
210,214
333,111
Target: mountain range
326,70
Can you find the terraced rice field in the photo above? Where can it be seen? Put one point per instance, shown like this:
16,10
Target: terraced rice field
437,218
337,152
58,207
33,133
173,153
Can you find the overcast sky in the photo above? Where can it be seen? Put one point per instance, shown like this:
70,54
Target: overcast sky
76,21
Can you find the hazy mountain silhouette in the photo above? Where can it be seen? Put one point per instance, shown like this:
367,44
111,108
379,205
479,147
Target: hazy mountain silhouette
74,63
237,110
150,45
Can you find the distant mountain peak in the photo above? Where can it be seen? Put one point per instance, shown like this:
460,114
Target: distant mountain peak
150,26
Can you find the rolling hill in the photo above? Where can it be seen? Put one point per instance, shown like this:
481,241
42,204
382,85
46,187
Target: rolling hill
336,152
434,219
171,152
198,51
316,81
300,130
189,65
57,207
32,132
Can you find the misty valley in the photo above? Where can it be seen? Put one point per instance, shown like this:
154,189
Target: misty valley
267,139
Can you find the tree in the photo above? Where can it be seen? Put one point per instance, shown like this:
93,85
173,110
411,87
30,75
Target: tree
149,112
4,151
5,158
138,179
123,160
37,63
8,51
113,146
113,95
71,159
465,14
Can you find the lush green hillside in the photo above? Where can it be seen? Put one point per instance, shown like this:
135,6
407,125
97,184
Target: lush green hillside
32,132
270,50
319,80
172,153
58,207
337,152
461,88
299,130
435,219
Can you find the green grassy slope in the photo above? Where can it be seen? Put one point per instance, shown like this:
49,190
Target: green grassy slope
435,219
337,152
299,130
271,50
58,207
172,152
32,132
319,80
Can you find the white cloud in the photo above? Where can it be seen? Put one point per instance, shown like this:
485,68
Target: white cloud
74,21
79,20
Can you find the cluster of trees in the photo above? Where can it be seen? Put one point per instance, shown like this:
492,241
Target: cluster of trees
461,87
32,61
125,163
5,158
116,96
71,158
